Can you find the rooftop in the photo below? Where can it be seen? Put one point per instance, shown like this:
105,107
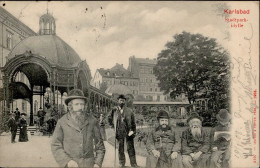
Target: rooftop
117,71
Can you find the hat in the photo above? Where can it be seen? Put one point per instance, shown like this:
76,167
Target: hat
75,94
223,116
121,97
23,114
194,115
17,109
162,114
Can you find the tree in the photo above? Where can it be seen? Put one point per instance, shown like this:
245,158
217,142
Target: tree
194,65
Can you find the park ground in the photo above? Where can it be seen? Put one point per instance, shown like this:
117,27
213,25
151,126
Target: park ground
37,153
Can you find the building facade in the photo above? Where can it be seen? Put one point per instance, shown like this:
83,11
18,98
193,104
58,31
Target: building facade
148,84
115,76
12,31
139,77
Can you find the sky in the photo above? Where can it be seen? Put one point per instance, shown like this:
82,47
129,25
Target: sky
106,33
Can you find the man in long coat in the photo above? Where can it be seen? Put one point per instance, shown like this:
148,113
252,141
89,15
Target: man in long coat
195,143
162,146
76,134
220,141
122,120
12,124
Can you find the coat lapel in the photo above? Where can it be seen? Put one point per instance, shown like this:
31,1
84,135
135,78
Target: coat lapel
72,123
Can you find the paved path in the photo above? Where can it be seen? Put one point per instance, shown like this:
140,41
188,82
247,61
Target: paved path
37,153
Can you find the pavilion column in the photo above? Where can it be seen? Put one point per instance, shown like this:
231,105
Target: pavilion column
31,106
7,93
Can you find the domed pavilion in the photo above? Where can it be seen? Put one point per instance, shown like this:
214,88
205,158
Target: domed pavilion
50,65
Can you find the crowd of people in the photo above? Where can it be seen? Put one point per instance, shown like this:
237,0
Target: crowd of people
78,137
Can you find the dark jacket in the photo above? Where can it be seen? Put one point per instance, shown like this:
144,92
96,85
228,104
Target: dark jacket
70,142
221,143
129,119
167,139
190,145
12,124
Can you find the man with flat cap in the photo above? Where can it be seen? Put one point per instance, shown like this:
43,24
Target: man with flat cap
76,134
195,143
122,119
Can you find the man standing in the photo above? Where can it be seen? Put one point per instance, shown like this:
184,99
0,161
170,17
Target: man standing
76,134
13,127
17,114
195,143
122,119
220,141
162,145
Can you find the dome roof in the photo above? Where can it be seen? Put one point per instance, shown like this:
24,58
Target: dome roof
118,89
51,47
47,16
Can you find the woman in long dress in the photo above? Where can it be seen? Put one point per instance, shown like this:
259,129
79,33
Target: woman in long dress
23,137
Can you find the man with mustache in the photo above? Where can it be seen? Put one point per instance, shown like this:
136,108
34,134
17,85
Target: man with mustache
195,143
162,146
220,141
76,134
122,120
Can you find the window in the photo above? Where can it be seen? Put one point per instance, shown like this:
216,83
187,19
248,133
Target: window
156,89
9,40
151,80
151,89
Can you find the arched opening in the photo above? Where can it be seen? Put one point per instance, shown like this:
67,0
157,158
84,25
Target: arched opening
26,86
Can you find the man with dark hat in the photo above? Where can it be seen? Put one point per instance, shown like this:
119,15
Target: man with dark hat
13,127
17,114
76,134
162,147
122,120
220,141
195,143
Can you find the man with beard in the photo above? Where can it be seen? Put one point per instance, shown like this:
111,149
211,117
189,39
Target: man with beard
122,120
76,134
220,141
195,143
162,145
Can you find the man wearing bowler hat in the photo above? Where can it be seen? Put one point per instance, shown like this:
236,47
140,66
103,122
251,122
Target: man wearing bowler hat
122,120
76,134
220,141
195,143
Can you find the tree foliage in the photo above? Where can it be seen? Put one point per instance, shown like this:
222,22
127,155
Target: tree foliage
194,65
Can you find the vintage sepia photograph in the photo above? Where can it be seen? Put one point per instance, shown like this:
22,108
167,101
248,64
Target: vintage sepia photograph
120,84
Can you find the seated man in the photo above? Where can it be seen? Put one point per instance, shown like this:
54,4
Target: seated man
220,141
195,143
162,146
